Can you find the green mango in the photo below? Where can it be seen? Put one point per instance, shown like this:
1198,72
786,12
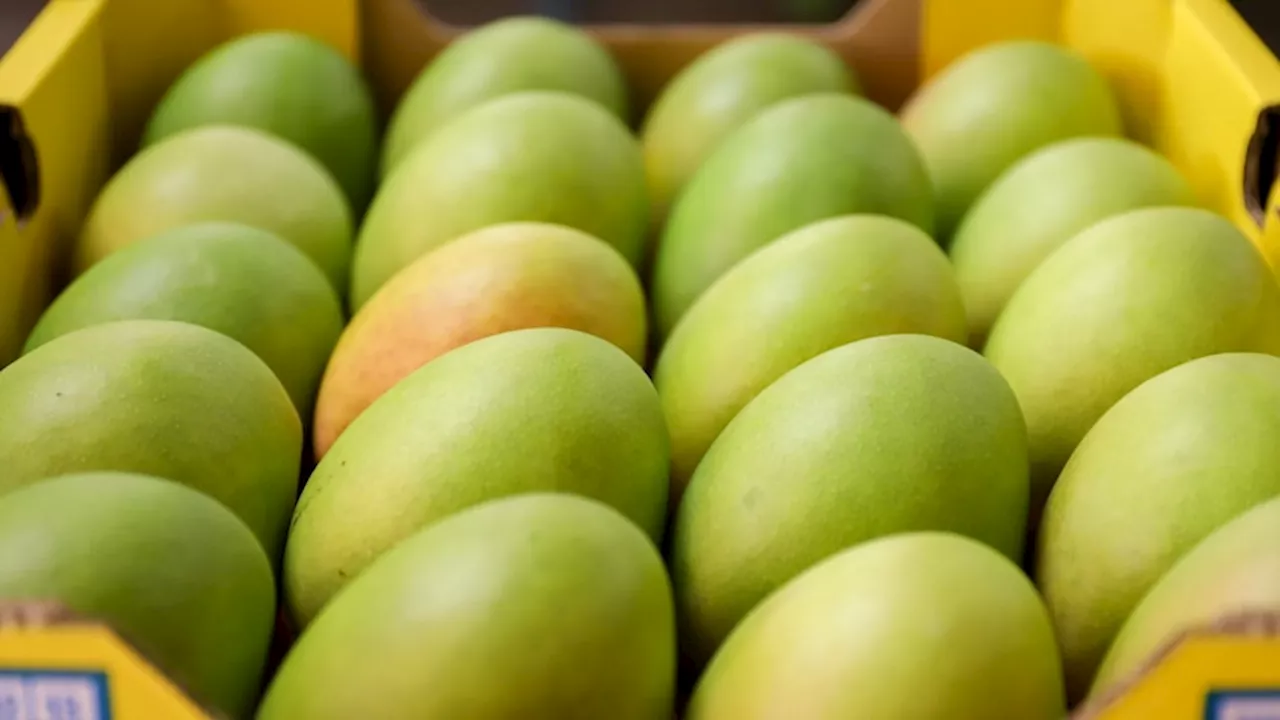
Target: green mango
170,569
536,606
1043,201
222,174
1123,301
799,161
1233,571
819,287
246,283
160,398
290,85
1172,461
496,59
880,436
530,156
912,626
996,105
545,409
719,91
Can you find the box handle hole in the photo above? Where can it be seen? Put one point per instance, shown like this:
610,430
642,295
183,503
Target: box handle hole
1261,162
19,173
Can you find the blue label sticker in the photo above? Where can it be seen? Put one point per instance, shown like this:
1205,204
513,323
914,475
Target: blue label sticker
1243,705
53,695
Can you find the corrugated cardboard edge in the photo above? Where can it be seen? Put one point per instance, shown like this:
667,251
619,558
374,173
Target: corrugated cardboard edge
1249,623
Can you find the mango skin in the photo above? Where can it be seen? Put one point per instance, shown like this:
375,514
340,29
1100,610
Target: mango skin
160,398
245,283
1172,461
722,89
827,284
1123,301
537,606
169,568
496,59
1044,200
530,156
797,162
222,173
1236,569
500,278
880,436
996,105
863,633
290,85
546,409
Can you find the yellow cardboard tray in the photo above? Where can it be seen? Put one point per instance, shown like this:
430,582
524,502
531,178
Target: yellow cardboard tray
1195,82
55,664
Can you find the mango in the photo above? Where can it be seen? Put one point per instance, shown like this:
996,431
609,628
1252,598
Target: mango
1173,460
1235,570
222,173
800,161
819,287
917,625
1041,202
496,59
287,84
545,409
503,277
246,283
880,436
533,156
537,606
160,398
169,568
1120,303
996,105
721,90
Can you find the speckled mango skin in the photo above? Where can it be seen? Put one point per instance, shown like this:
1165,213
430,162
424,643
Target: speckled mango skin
538,410
539,607
827,284
526,157
505,277
161,398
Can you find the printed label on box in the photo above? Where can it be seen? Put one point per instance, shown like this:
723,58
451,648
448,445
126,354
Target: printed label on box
1243,705
53,695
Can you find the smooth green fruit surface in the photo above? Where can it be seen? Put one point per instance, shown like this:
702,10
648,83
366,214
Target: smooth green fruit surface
536,156
171,570
246,283
500,58
918,625
287,84
799,161
824,285
161,398
884,435
1123,301
537,606
1233,571
227,174
1176,458
722,89
1043,201
996,105
547,409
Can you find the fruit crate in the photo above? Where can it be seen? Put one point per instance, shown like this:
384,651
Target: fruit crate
1195,81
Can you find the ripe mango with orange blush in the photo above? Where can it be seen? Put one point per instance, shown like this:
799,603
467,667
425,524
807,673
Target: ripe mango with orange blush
504,277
